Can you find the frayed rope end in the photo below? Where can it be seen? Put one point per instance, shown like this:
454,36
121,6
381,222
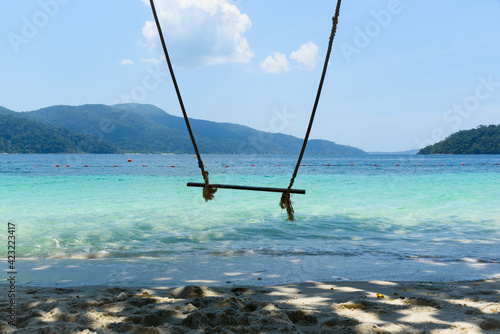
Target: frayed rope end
286,203
208,192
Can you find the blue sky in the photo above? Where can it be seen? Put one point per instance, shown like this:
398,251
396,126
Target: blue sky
403,73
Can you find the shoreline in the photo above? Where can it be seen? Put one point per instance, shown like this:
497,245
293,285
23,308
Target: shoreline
248,270
308,307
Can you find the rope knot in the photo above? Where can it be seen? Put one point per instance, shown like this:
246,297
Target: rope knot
208,191
286,203
205,176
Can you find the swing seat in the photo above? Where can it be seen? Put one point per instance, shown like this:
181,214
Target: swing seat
227,186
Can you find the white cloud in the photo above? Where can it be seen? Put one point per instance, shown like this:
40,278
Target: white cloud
127,62
201,32
306,55
275,64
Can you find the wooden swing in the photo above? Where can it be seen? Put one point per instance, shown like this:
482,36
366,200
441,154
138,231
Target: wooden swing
209,189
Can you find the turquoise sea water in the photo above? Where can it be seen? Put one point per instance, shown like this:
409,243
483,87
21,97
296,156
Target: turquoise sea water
132,223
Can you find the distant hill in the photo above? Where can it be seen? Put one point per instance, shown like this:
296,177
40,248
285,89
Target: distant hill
481,140
141,128
125,130
19,135
5,111
234,138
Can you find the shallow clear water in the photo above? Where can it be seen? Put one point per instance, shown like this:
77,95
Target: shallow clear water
357,221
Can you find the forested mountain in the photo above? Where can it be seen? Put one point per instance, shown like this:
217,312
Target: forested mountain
481,140
235,138
125,130
19,135
5,111
143,128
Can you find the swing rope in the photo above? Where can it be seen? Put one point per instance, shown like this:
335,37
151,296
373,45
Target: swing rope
286,202
208,190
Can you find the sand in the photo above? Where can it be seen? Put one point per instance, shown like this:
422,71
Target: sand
312,307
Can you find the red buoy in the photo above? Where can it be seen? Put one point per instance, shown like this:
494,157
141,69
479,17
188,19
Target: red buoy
227,166
36,166
496,163
442,165
463,164
86,166
67,165
115,165
129,160
352,164
328,164
172,166
484,164
57,165
303,164
279,165
375,165
253,165
420,164
397,165
143,165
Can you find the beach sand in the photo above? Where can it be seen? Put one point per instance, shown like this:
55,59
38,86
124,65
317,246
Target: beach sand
311,307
